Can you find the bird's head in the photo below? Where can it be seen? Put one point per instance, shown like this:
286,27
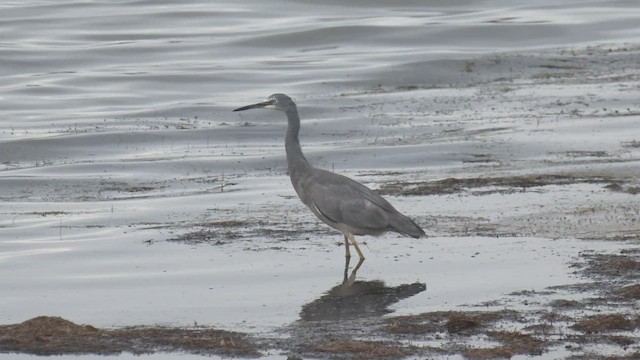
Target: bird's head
276,101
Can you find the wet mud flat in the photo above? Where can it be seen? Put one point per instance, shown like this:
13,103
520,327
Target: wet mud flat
526,147
575,321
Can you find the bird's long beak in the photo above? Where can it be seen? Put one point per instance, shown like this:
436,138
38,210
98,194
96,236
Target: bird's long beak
259,105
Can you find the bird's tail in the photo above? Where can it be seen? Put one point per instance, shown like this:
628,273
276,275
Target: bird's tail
406,226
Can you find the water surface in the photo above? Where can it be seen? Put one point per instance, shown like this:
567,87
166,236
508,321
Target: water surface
116,136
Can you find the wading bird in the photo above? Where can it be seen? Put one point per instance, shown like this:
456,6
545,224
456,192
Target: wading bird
342,203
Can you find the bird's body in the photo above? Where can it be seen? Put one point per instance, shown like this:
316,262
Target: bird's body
359,210
340,202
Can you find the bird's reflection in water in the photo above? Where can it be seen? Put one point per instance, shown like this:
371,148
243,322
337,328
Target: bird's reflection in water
357,299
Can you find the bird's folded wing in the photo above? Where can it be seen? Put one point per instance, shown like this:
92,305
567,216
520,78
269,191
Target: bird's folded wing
346,201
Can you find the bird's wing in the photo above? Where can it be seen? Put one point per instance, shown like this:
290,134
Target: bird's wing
346,201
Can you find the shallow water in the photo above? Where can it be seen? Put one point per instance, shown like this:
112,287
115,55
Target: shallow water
116,134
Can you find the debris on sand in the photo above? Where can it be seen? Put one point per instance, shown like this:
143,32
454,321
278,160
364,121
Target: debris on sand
605,322
46,335
453,322
630,292
506,184
360,349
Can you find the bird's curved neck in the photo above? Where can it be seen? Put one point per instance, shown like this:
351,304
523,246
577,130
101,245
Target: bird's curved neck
295,158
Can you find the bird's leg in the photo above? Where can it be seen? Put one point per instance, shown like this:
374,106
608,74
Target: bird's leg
355,245
352,277
347,253
346,269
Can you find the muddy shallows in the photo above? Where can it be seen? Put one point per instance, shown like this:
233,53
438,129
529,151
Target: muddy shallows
595,318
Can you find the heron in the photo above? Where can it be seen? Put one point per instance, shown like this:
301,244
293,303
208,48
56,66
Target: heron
340,202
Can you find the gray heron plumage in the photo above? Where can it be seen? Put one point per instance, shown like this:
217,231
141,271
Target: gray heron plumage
340,202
